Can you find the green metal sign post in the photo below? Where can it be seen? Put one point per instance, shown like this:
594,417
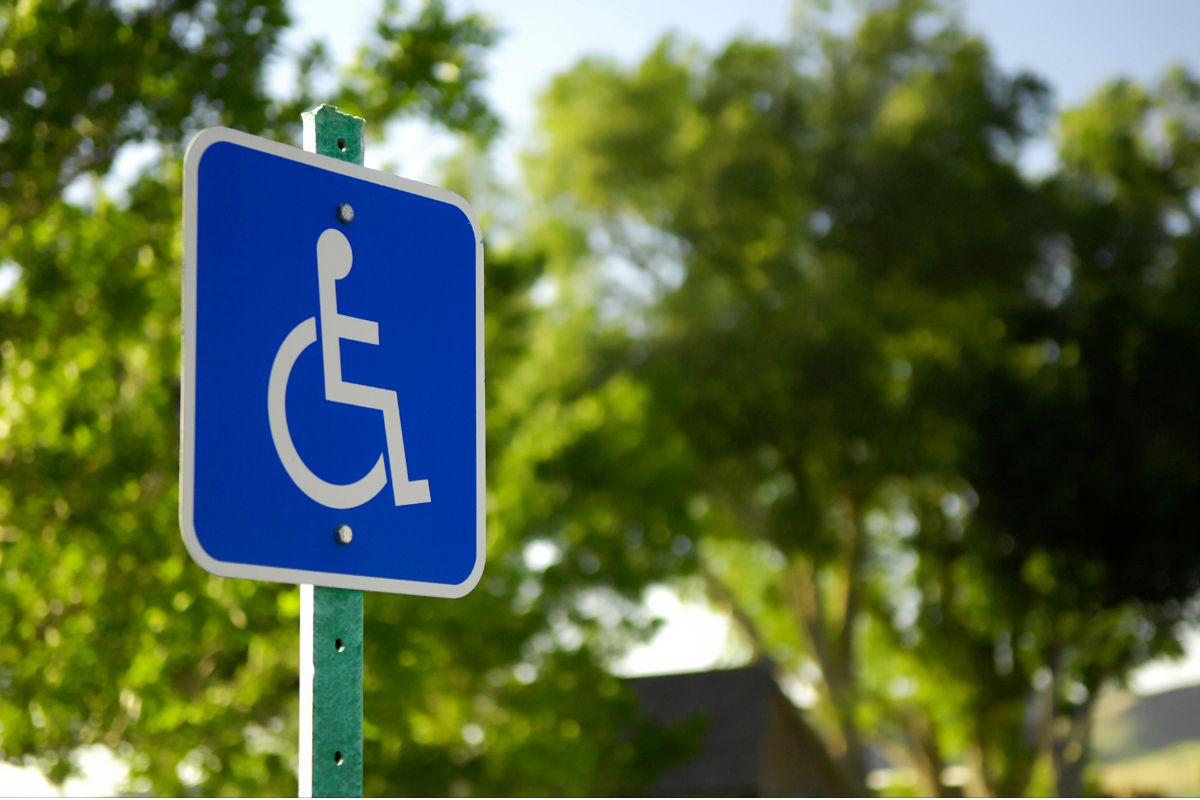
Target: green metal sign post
331,620
331,704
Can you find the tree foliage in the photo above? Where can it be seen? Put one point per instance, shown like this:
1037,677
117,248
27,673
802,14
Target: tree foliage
932,414
109,634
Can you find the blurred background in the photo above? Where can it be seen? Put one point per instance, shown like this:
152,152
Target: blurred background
842,360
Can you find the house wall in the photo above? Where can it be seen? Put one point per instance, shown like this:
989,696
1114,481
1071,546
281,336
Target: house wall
794,762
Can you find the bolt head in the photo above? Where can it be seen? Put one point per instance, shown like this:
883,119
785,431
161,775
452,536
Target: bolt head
343,534
345,213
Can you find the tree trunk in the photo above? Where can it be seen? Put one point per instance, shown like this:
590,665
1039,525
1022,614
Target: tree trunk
832,643
1073,751
927,756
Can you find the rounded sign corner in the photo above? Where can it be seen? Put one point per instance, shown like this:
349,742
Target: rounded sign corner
459,202
203,140
196,550
466,587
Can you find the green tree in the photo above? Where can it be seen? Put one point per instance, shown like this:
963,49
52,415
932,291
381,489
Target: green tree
812,339
839,293
109,634
1086,463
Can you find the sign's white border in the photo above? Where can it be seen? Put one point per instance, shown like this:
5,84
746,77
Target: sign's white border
191,168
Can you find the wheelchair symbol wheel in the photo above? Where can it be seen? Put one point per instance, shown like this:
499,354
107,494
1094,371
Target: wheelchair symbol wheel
334,260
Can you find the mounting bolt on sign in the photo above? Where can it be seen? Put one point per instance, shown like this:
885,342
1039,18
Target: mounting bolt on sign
332,381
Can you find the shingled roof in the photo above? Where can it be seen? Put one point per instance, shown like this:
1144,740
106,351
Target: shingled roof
756,742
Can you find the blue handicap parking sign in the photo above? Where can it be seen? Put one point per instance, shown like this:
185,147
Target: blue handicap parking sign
332,421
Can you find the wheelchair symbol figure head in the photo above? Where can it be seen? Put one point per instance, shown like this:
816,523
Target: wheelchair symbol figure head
335,257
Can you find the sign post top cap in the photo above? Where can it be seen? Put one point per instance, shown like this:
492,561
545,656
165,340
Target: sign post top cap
329,131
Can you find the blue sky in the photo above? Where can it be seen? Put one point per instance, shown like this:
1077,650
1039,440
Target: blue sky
1075,44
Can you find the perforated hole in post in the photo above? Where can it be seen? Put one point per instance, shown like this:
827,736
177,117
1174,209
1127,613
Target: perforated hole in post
337,758
339,644
341,144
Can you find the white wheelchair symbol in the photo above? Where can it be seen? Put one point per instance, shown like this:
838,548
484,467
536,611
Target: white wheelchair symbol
334,260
